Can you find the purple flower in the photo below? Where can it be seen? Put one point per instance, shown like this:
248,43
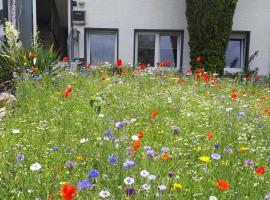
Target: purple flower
129,164
108,132
216,156
124,81
69,165
165,149
150,153
170,174
84,184
146,148
120,124
116,81
54,148
112,160
268,160
130,191
216,146
20,157
176,129
93,173
249,162
228,150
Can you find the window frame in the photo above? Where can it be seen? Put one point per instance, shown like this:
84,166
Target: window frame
244,38
158,33
87,45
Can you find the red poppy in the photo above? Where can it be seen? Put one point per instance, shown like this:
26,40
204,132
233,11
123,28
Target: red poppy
154,113
209,135
136,145
124,70
140,134
198,58
260,171
233,90
68,191
258,78
68,91
65,59
223,185
103,78
142,67
199,69
32,55
234,96
197,76
119,62
89,66
205,75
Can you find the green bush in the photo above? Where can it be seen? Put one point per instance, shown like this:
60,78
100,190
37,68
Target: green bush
209,26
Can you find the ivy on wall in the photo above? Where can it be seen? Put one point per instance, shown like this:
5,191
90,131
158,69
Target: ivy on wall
209,26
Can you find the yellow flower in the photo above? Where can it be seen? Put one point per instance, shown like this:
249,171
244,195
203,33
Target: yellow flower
205,159
243,149
177,186
79,158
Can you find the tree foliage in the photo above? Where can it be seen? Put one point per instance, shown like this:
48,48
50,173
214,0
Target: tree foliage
209,26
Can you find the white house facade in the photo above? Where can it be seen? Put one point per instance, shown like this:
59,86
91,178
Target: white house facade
141,31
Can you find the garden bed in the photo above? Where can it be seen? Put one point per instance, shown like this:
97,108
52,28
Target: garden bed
143,137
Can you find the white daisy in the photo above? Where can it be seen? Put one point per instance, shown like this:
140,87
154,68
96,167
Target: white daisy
35,167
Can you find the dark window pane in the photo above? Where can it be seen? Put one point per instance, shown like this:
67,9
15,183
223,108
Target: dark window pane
146,49
102,48
233,54
168,49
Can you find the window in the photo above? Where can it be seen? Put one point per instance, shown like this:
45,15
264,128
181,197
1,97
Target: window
234,57
152,48
237,51
102,47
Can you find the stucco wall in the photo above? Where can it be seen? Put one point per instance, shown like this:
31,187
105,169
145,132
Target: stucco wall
170,14
254,16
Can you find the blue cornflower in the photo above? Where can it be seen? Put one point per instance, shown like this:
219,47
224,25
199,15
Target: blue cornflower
176,129
112,160
216,156
84,184
165,149
241,115
170,174
152,177
124,81
120,124
55,84
129,164
130,191
228,150
116,81
108,132
216,146
268,160
93,173
20,157
54,148
146,148
150,153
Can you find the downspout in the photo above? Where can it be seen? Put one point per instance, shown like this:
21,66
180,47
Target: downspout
71,25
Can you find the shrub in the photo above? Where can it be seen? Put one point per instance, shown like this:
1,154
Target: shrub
209,26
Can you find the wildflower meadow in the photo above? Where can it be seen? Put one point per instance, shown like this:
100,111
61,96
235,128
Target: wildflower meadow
144,135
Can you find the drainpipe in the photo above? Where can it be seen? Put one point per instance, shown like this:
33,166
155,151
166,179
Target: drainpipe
71,25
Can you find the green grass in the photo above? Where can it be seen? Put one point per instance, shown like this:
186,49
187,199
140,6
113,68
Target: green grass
46,119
